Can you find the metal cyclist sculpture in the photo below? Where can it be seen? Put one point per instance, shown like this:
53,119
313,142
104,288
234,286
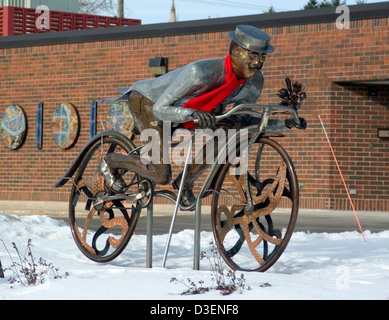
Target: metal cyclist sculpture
113,182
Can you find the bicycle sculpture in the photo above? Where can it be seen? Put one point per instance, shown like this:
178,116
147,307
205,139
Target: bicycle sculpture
253,213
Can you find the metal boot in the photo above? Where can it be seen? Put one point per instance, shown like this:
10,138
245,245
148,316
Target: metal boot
112,179
187,197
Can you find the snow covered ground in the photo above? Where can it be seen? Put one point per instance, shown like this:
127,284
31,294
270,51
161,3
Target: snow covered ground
329,266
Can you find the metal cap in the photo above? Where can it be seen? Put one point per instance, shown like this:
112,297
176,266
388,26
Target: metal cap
251,38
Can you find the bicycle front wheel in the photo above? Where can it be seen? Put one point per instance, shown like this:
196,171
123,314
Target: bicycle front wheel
102,231
254,207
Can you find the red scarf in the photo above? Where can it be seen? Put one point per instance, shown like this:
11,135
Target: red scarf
210,100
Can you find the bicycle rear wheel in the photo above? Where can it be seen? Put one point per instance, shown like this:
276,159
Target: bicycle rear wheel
253,237
102,231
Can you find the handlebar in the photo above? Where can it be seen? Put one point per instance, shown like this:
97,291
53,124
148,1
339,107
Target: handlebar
267,109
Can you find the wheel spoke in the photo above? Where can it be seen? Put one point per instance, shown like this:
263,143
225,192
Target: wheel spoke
101,228
241,232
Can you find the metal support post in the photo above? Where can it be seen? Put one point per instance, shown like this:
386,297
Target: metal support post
1,271
196,258
149,233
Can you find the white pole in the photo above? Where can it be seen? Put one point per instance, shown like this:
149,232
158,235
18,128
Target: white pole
189,154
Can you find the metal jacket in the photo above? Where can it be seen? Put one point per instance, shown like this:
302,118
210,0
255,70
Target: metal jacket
170,91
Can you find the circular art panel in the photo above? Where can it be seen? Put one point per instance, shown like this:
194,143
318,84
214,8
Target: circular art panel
120,119
13,126
65,125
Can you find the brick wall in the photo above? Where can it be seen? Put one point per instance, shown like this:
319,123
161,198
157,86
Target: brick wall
327,60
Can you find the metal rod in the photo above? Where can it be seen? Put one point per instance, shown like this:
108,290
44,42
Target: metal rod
177,202
197,238
265,119
149,233
341,176
1,271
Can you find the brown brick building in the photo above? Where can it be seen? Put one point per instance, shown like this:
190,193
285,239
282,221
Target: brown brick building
345,72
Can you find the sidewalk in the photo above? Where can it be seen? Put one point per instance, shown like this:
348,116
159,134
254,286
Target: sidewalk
308,219
61,209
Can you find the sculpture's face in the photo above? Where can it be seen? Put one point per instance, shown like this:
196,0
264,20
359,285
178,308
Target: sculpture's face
246,63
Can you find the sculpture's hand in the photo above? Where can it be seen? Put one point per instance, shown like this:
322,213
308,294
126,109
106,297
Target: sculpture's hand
290,123
205,119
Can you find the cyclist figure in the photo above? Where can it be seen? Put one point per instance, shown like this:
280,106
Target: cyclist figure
200,91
